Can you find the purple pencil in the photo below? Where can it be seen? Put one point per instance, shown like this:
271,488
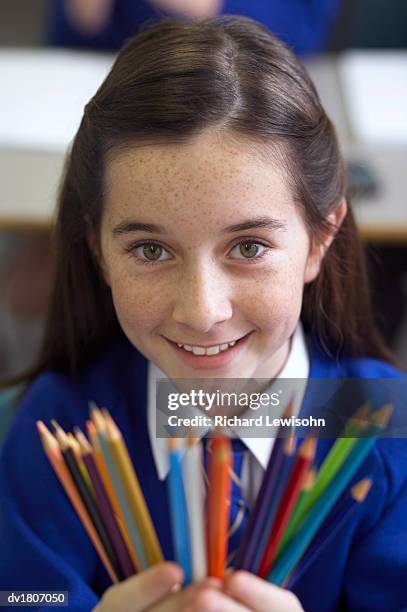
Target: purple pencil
254,530
104,505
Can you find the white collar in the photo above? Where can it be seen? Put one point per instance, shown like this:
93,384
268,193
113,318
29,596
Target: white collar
297,366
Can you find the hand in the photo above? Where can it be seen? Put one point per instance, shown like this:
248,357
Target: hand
89,16
158,590
258,595
192,9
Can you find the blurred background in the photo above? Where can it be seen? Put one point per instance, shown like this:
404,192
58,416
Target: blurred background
54,54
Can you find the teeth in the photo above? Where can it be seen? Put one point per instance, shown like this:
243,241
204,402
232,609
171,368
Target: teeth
198,350
212,350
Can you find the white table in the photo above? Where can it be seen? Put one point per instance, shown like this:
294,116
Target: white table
44,100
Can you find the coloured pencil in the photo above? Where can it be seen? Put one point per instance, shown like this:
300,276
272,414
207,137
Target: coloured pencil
273,502
178,510
133,491
302,463
73,443
317,514
334,460
53,452
254,529
107,483
195,499
104,505
86,495
218,504
301,501
114,474
335,521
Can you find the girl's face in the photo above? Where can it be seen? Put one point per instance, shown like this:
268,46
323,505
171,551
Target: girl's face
203,246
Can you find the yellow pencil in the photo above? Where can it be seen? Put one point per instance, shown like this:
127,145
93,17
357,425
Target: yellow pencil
133,490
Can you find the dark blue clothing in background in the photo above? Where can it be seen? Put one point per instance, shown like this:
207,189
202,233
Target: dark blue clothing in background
306,25
43,545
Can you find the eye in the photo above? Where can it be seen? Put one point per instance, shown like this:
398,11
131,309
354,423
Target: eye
250,249
149,252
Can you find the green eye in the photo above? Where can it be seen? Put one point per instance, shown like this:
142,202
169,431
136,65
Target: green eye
248,249
152,252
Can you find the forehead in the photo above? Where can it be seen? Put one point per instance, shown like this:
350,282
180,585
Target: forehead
210,174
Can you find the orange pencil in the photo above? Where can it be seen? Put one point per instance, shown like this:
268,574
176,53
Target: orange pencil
306,454
218,504
53,452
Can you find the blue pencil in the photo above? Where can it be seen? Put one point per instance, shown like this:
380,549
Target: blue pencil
334,523
296,548
114,475
178,511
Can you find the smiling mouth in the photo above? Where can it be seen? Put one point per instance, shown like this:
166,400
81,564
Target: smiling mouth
214,349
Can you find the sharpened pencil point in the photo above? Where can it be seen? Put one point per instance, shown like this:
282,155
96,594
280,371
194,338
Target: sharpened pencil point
308,448
289,445
173,444
360,490
382,416
309,479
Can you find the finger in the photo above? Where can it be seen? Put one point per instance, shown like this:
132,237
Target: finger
195,597
181,599
259,595
140,591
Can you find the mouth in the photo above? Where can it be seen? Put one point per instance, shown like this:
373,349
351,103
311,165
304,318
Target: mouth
211,356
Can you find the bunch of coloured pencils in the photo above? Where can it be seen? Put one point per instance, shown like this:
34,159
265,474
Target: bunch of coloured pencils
99,479
298,510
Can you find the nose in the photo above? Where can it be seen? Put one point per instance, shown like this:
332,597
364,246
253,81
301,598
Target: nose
202,298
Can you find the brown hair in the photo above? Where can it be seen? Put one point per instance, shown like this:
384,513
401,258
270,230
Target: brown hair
169,83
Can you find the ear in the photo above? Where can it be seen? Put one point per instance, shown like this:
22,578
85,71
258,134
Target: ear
94,246
319,247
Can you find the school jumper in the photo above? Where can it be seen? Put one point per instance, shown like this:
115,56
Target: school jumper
43,545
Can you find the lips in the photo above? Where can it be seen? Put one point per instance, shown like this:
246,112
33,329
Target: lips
208,346
210,362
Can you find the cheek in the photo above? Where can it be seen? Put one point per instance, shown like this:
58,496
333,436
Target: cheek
139,304
274,301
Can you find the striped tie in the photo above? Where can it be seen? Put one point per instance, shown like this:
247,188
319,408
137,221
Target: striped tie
239,510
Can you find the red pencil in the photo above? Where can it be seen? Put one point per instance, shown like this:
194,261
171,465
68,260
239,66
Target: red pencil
305,457
218,504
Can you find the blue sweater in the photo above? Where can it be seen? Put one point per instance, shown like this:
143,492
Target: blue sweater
306,25
44,546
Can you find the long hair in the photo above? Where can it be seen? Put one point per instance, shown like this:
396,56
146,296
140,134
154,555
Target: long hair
168,84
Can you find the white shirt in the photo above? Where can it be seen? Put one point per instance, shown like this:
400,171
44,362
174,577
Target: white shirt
296,367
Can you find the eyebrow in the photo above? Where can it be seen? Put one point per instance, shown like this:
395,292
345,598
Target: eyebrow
127,227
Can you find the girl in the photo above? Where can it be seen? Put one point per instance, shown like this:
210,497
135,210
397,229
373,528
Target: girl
203,231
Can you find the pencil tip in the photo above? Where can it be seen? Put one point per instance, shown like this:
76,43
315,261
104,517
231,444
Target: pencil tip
173,444
289,445
289,411
382,416
360,490
308,447
310,478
